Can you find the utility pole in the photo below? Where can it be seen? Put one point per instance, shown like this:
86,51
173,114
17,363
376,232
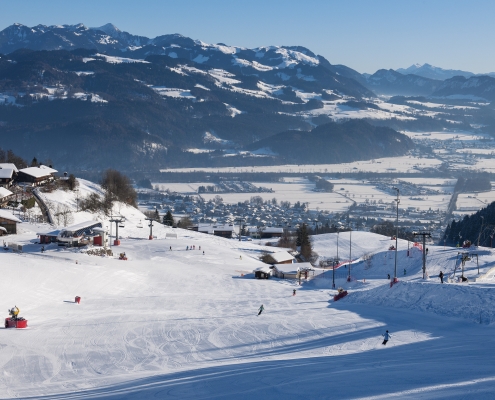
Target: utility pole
481,229
241,220
424,235
151,227
396,233
350,252
333,274
117,221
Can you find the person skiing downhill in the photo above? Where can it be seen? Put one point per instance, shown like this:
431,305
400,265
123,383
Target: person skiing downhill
294,292
261,309
386,337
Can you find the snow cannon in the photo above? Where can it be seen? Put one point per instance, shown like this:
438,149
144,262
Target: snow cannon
14,321
341,294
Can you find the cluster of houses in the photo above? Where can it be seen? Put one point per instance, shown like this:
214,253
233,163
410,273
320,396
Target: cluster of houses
10,177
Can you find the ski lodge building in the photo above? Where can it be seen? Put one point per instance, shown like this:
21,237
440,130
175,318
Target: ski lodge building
292,271
36,176
266,233
280,257
217,230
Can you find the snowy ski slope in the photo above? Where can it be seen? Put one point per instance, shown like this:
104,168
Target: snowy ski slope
180,324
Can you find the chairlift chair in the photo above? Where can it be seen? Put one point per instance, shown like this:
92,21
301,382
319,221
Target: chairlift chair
140,225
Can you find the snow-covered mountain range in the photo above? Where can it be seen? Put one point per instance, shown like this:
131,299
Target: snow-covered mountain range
154,99
432,72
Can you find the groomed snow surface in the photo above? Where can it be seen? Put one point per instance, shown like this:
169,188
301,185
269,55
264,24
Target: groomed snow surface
180,324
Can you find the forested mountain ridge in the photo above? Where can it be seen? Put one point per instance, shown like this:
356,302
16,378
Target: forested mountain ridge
102,106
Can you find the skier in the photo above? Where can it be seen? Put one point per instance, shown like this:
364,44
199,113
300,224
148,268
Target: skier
404,272
388,276
170,248
203,252
294,292
440,275
199,247
42,249
240,257
187,247
261,309
386,337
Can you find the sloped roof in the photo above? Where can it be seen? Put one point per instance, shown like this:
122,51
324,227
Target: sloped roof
281,256
287,268
4,192
8,166
38,172
6,173
8,215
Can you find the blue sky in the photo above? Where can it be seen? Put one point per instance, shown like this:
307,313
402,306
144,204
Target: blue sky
364,35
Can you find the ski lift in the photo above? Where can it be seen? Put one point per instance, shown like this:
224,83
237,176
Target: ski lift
140,225
121,224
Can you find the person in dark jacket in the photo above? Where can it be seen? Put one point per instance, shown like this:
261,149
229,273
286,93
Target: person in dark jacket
261,309
386,337
440,275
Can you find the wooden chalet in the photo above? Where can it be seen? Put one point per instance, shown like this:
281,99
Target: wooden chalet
8,172
37,176
5,196
280,257
8,223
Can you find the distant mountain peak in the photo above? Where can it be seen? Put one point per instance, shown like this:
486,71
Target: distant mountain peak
109,29
430,71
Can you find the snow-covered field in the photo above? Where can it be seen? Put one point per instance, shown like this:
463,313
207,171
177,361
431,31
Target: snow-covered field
180,323
391,164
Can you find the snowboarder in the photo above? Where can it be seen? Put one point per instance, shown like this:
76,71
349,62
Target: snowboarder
440,275
261,309
386,337
404,272
294,292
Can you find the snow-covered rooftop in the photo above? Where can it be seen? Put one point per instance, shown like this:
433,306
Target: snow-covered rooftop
8,166
8,215
281,256
6,173
4,192
38,172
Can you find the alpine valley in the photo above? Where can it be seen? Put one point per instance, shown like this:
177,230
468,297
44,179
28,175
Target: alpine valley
91,98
